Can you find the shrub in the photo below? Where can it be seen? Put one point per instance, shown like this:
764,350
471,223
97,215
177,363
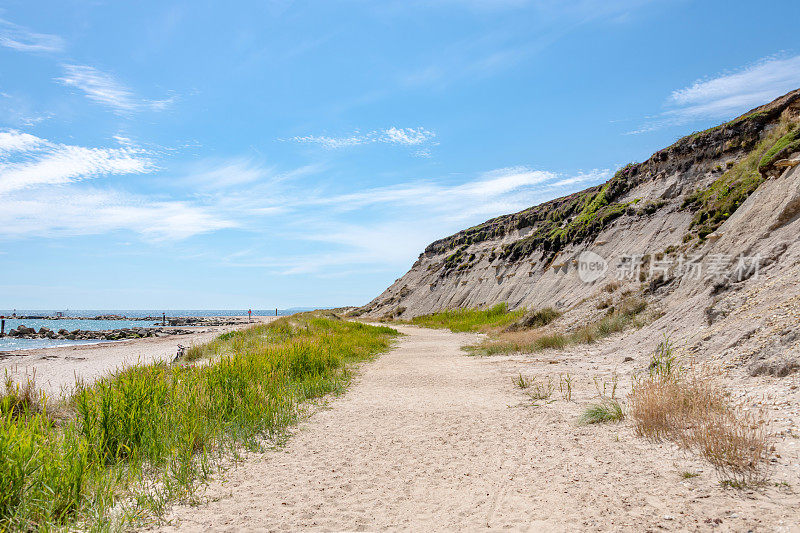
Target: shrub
521,382
540,390
690,409
555,340
608,410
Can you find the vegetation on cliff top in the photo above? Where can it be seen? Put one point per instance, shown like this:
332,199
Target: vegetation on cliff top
714,204
783,147
582,215
118,450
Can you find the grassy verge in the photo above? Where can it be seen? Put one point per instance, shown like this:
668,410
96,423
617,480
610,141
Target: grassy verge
690,409
470,319
619,318
117,451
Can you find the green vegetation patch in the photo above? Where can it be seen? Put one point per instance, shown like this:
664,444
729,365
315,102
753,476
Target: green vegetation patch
460,320
116,451
783,147
583,216
608,410
535,319
716,203
625,315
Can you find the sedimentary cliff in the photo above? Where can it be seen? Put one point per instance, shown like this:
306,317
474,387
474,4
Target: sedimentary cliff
707,229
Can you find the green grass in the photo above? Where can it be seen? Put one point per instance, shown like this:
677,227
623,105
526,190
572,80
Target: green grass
555,340
716,203
782,147
609,410
460,320
116,451
535,319
625,315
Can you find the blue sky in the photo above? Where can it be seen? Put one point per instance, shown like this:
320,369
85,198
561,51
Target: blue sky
302,153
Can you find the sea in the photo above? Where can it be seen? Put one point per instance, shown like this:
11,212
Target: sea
75,319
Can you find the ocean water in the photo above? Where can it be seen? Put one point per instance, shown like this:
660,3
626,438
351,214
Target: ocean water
134,320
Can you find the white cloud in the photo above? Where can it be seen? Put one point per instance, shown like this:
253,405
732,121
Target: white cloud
226,173
730,94
388,226
407,136
334,142
393,135
102,88
26,161
70,211
513,187
24,40
41,194
14,141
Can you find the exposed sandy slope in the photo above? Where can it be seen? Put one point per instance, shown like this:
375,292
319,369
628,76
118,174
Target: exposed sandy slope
57,368
430,439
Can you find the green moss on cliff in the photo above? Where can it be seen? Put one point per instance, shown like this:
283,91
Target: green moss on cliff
581,218
583,215
783,147
714,204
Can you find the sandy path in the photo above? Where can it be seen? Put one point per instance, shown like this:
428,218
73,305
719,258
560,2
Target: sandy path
56,369
429,439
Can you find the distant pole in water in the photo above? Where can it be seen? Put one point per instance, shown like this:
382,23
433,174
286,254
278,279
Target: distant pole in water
163,319
276,311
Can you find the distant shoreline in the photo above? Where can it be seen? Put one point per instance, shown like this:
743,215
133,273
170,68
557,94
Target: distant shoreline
57,368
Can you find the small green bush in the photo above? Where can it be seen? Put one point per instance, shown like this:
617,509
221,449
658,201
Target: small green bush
609,410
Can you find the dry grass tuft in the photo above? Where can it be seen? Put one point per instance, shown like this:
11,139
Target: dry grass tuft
689,408
19,399
535,340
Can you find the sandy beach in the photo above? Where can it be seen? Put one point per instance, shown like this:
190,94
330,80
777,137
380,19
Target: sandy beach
429,439
56,369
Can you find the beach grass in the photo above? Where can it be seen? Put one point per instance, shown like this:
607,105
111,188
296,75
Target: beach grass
116,451
461,320
607,410
689,407
627,314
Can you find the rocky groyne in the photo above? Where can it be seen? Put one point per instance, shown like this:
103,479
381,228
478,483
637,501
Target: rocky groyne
23,332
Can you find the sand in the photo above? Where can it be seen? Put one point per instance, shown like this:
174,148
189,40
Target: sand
56,369
428,438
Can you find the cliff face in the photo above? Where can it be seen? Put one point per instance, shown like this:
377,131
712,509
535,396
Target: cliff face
730,194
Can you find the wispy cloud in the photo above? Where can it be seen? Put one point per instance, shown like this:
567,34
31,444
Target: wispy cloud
729,94
71,211
41,193
393,135
24,40
15,141
27,161
389,226
104,89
